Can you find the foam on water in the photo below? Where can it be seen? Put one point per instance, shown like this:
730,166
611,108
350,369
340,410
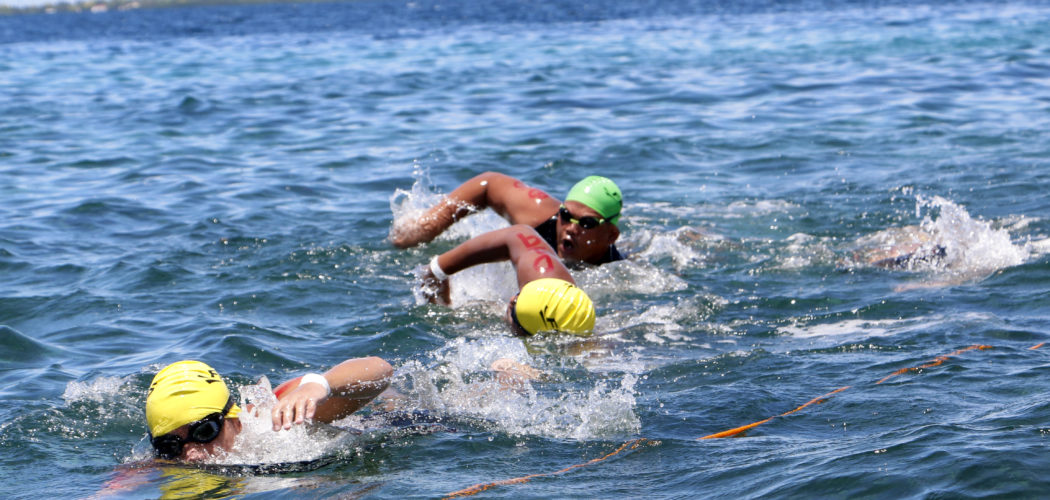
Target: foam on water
973,247
455,383
858,329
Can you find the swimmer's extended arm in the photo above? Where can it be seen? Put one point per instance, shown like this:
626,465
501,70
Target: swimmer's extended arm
509,197
530,255
354,383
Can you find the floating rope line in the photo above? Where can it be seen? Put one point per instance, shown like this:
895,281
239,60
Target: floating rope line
732,432
478,488
936,361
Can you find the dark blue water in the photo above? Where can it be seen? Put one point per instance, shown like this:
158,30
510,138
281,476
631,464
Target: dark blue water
218,183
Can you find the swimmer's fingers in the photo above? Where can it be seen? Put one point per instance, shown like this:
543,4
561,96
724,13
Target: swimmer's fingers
285,413
295,409
278,414
305,408
444,293
435,291
300,408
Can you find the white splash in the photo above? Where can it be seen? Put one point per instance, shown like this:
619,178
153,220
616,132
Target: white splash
408,206
98,390
259,444
948,246
972,247
459,385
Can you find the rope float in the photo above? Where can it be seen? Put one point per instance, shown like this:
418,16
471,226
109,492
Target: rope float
478,488
630,445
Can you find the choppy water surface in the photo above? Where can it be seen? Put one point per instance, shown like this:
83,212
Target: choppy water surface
218,183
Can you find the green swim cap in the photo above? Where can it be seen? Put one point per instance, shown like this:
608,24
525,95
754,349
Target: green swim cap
599,193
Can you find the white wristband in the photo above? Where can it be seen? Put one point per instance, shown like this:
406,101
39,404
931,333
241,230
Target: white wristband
316,378
436,270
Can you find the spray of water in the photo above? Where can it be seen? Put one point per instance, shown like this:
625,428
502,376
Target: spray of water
947,247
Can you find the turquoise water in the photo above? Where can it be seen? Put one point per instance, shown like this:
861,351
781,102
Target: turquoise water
218,183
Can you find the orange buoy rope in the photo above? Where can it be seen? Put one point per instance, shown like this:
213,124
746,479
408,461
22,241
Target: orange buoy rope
478,488
936,361
738,430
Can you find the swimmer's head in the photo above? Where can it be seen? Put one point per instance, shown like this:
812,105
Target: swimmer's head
600,194
185,392
550,304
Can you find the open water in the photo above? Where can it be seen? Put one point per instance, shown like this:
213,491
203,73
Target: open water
218,183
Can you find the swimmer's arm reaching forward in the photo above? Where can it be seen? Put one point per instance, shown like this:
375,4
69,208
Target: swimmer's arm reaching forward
509,197
354,383
530,255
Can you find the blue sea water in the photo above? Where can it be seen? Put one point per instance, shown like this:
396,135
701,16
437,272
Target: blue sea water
219,183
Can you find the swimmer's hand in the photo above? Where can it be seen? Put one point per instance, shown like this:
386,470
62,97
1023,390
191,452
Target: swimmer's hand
508,368
435,291
298,406
408,232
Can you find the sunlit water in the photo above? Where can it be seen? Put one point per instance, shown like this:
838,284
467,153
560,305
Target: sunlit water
218,183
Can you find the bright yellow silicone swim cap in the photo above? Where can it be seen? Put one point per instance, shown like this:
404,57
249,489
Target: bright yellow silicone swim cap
550,304
185,392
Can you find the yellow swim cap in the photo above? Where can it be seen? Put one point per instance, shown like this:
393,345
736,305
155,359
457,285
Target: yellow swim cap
550,304
185,392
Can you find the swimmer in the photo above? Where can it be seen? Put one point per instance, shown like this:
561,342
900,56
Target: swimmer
582,229
547,300
192,415
899,248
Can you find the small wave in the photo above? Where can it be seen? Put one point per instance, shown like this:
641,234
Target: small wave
16,347
655,246
760,207
865,328
856,328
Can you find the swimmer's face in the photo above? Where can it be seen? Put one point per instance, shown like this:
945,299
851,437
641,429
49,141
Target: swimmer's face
196,452
584,245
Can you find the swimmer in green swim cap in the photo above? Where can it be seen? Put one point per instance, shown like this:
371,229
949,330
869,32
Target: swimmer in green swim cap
583,228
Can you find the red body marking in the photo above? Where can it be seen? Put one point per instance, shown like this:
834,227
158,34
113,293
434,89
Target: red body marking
530,242
543,262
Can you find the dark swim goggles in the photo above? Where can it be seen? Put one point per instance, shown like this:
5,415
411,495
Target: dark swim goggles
586,222
205,430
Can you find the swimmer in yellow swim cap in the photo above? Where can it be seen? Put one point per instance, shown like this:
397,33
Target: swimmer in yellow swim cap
192,415
583,228
548,298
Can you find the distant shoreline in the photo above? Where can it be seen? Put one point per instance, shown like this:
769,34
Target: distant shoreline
101,6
